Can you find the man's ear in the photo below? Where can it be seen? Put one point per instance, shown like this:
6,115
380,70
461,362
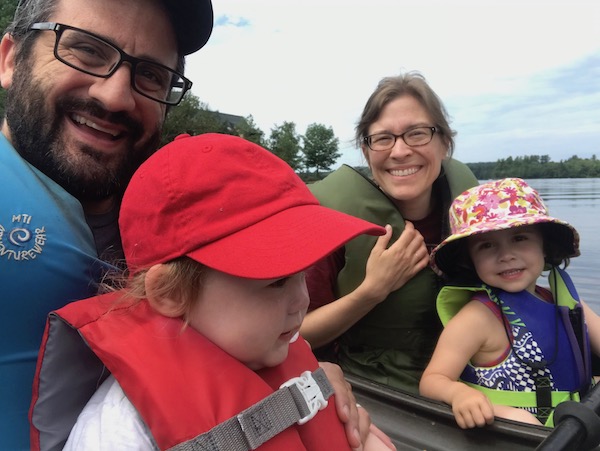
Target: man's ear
165,305
8,49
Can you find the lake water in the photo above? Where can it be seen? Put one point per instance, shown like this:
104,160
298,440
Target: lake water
577,201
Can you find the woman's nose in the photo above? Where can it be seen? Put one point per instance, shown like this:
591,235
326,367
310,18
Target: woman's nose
400,149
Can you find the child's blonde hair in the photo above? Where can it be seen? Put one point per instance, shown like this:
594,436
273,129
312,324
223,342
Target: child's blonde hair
182,279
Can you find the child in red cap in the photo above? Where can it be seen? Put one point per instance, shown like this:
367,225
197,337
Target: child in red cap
202,344
510,348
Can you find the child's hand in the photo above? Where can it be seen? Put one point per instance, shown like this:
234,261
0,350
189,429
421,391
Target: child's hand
472,408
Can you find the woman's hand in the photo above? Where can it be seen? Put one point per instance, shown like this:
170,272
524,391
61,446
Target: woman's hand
389,268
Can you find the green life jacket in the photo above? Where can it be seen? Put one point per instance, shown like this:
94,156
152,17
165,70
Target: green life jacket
393,343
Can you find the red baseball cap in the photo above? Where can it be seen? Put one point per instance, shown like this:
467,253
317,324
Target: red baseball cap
230,205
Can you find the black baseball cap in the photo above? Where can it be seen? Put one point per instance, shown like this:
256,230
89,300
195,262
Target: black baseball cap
192,21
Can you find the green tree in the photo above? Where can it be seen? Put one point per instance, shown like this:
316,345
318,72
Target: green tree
248,129
320,148
7,11
193,117
285,143
483,171
576,167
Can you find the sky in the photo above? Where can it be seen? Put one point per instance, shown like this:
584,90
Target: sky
517,77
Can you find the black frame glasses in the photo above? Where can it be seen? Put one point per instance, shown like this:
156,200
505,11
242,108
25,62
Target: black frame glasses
93,55
415,137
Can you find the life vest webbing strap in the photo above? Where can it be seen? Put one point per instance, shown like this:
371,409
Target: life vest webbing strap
543,397
297,401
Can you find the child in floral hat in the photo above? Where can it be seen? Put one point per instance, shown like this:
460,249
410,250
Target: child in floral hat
510,348
200,349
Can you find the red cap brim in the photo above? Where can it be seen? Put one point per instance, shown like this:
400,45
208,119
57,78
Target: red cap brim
283,244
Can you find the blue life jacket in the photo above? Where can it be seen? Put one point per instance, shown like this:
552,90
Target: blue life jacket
544,346
47,259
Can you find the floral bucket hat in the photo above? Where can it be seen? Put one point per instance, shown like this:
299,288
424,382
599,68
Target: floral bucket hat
497,205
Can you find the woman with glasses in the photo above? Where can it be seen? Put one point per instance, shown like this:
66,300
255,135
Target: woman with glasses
373,301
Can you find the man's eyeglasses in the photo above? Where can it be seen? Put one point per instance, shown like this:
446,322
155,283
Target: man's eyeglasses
418,136
93,55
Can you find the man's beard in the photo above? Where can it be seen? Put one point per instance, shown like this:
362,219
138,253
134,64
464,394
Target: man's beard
36,131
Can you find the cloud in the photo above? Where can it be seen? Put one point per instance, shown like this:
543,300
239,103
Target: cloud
225,21
555,112
517,77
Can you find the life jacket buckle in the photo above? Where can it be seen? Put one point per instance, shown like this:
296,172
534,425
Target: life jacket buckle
311,392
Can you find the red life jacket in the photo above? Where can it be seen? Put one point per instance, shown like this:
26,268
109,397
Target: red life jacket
181,384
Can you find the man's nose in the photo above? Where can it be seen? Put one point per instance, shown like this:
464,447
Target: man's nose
115,92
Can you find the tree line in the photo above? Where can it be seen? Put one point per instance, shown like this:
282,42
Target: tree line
536,167
310,154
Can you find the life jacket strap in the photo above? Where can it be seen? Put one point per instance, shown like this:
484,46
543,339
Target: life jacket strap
296,402
543,397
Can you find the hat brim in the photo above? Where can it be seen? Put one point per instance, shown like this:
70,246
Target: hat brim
283,244
443,257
